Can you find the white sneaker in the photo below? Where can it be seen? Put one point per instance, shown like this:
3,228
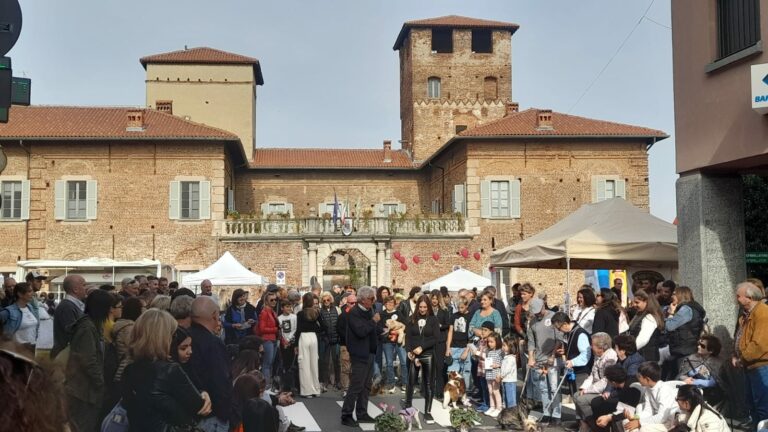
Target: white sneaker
492,413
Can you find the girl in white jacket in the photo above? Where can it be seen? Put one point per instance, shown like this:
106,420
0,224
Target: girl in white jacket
696,413
509,372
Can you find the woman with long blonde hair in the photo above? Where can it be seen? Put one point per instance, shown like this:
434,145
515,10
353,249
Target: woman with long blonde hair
157,393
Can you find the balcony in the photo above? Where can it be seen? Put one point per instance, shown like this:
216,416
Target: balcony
357,229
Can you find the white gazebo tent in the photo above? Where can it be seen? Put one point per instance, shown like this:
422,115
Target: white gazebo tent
227,270
458,279
608,234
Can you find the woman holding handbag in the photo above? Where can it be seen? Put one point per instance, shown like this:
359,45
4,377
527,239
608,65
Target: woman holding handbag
267,329
421,336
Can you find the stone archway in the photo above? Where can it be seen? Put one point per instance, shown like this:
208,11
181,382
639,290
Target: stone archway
346,267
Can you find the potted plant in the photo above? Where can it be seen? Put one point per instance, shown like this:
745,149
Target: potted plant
389,421
463,418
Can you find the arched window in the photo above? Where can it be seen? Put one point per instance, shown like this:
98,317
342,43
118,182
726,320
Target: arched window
433,87
490,88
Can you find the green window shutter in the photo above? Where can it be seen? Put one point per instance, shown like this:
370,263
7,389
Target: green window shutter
230,199
485,199
174,202
25,199
205,200
91,199
60,200
621,188
514,198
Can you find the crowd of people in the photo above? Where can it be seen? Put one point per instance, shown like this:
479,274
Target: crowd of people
153,356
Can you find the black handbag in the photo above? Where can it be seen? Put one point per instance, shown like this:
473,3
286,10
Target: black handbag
448,360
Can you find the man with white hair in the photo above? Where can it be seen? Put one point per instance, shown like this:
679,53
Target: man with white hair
211,363
752,347
361,340
129,287
206,289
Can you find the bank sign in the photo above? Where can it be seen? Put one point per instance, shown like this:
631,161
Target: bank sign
760,88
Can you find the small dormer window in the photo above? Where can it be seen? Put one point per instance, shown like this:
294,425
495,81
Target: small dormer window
442,40
165,106
433,88
482,41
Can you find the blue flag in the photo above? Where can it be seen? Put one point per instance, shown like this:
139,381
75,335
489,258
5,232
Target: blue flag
335,208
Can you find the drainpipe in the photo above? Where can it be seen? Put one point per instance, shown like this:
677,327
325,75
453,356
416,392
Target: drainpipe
26,226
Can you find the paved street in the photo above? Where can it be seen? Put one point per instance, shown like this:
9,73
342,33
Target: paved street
323,413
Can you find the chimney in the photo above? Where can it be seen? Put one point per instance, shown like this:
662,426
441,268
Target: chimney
544,119
135,120
512,107
387,151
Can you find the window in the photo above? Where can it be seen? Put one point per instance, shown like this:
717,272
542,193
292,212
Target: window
738,25
389,209
482,41
436,206
190,200
276,208
76,199
433,88
10,206
490,88
442,40
165,106
608,187
500,198
458,199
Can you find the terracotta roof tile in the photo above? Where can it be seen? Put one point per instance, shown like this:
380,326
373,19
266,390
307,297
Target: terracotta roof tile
453,21
525,123
304,158
64,122
204,55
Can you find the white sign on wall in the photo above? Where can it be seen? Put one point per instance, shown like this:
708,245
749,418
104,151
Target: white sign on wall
280,277
760,88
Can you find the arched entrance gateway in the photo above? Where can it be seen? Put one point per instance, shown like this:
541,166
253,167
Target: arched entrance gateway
346,267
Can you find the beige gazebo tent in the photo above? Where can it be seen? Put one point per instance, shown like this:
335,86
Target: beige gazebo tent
608,234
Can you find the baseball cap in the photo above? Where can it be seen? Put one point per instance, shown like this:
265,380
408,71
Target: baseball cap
36,275
272,288
489,325
536,306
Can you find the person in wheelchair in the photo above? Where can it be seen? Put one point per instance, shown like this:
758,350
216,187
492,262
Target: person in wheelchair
702,369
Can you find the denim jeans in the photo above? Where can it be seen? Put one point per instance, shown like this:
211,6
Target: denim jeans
390,351
509,391
270,350
213,424
757,392
463,367
547,386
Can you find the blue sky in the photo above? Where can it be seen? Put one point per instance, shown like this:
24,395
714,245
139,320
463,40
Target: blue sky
331,76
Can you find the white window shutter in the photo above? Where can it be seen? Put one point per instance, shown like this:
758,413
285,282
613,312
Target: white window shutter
91,199
401,208
25,199
380,210
230,199
598,188
60,200
458,198
265,209
514,198
289,209
621,188
174,200
485,199
321,209
205,200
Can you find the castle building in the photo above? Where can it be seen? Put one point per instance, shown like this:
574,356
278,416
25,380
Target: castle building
182,180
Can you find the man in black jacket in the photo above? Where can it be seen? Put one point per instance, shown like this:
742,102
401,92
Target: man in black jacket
362,328
69,310
210,363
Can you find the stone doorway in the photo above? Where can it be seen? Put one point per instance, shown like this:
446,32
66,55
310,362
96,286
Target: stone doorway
346,267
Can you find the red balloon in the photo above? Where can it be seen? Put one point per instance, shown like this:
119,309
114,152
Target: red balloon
477,256
435,256
401,258
464,252
416,259
403,266
397,255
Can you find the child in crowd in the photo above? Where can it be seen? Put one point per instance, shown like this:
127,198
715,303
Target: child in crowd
509,372
480,352
287,321
493,358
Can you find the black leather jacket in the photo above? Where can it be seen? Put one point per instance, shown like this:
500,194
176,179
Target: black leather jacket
158,394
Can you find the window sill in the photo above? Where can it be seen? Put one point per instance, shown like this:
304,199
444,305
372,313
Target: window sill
11,220
74,221
716,65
